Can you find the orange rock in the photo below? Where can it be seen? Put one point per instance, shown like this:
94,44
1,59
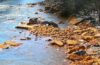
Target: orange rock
98,61
24,27
73,20
72,42
93,29
3,46
75,48
89,62
86,58
77,31
94,41
88,38
12,43
84,33
75,57
57,42
97,35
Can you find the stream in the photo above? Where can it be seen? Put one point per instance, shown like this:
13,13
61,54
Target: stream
31,52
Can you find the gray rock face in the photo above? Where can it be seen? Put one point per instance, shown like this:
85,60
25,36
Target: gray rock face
68,7
75,7
61,6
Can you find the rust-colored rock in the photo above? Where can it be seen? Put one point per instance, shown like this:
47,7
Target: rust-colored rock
88,38
75,48
77,40
73,20
89,62
57,42
72,42
75,57
97,35
24,27
3,46
12,43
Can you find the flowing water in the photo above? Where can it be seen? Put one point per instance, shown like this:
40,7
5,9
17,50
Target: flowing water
31,52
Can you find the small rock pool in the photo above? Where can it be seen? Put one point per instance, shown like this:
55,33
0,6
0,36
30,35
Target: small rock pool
31,52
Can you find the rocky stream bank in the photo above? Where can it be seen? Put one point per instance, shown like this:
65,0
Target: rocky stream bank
81,39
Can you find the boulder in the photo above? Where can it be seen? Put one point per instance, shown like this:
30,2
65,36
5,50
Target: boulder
73,20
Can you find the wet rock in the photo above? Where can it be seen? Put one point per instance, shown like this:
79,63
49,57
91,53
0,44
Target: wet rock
47,8
97,45
36,13
33,21
80,52
49,40
49,23
83,62
12,43
26,27
41,3
75,48
26,38
31,4
61,22
23,22
4,46
74,57
40,10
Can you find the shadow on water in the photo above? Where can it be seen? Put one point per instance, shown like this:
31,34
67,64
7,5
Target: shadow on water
31,52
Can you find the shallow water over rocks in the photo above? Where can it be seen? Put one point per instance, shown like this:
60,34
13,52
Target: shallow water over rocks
32,52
